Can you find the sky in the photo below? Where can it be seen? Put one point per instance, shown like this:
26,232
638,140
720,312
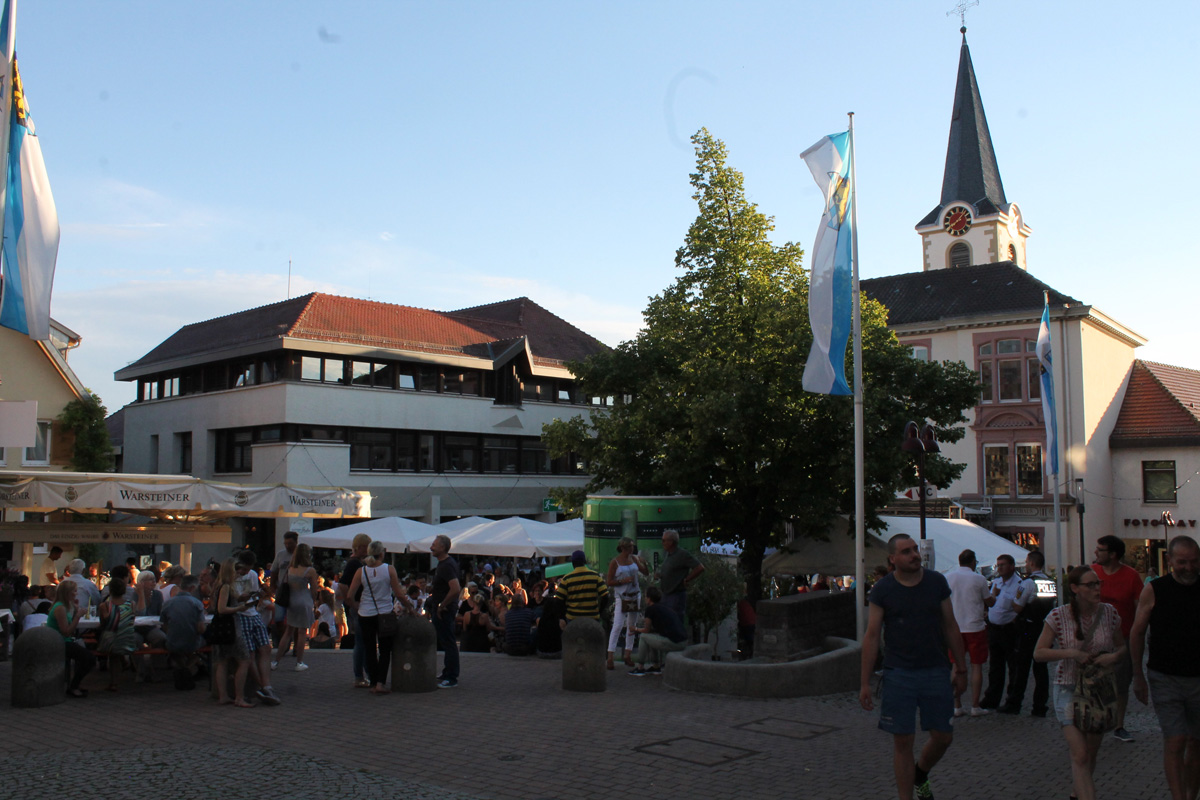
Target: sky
449,154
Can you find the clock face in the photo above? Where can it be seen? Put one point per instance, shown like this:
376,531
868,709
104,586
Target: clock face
957,221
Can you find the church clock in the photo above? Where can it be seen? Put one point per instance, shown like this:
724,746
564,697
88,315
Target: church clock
957,220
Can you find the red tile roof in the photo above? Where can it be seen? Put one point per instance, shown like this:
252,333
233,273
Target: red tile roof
1161,407
329,318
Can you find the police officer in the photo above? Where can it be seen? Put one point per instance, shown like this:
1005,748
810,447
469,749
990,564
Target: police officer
1036,598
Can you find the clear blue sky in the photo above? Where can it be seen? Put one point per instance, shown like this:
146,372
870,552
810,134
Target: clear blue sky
448,154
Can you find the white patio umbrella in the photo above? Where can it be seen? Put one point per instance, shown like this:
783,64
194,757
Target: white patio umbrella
395,532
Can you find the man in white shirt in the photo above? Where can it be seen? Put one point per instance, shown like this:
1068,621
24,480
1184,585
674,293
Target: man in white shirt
52,567
87,590
1002,630
971,599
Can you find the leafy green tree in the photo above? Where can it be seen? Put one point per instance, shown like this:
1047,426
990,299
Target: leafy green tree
711,598
84,418
709,398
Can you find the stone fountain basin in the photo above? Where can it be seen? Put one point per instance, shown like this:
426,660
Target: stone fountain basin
835,669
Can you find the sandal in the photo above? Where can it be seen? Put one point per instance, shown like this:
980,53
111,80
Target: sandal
362,683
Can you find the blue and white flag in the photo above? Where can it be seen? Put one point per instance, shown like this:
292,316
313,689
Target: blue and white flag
30,226
831,288
1045,357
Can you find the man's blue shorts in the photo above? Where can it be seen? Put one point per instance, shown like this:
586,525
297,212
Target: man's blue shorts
906,690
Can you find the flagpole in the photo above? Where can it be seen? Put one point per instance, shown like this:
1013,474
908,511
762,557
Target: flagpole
1058,549
860,503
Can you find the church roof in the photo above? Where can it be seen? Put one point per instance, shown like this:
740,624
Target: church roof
477,331
971,170
1161,408
981,289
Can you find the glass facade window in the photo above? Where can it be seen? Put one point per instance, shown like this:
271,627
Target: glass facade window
995,470
1029,470
406,377
372,450
360,373
310,368
452,382
500,454
460,453
535,459
385,376
1158,482
428,378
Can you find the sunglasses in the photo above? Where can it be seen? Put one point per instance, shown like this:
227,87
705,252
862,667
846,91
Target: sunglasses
1088,583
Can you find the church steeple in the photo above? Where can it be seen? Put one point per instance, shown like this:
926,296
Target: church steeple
973,223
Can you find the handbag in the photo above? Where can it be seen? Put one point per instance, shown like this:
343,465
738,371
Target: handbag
630,604
1094,704
283,598
388,624
222,631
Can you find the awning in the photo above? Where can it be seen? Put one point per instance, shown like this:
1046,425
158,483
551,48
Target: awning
514,537
173,497
395,532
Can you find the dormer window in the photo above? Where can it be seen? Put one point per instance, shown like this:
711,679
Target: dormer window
960,255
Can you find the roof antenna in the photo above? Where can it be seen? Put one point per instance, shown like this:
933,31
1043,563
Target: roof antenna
961,11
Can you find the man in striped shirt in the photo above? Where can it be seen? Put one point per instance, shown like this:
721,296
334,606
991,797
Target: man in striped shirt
581,589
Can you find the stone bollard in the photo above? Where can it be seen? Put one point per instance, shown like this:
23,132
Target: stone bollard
584,646
39,672
414,656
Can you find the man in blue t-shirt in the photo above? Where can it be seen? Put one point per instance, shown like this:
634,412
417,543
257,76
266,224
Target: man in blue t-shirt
911,607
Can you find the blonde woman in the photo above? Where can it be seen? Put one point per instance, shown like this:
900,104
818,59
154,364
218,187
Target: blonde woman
302,579
623,572
381,590
227,603
64,617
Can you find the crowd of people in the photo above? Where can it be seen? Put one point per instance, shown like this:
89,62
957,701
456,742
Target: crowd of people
254,620
938,631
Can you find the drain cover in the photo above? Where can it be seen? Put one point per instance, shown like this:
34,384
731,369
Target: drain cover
791,728
696,751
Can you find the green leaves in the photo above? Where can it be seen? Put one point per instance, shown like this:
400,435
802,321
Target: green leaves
716,405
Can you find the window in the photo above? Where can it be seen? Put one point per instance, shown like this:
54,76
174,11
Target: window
960,255
1010,380
535,458
233,450
171,387
184,441
327,370
360,373
310,368
452,383
1012,252
428,379
460,454
1029,470
1158,482
373,450
1035,378
39,454
985,380
245,374
500,454
920,352
407,376
995,470
385,376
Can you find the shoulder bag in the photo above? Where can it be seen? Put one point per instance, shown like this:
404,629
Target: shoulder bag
1094,705
389,623
283,595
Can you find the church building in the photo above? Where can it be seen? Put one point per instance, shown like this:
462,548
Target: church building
975,300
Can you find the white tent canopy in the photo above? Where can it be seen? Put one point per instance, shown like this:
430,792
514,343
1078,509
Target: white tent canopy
396,533
836,556
176,497
514,537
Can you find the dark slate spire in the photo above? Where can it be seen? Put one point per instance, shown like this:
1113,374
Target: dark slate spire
971,170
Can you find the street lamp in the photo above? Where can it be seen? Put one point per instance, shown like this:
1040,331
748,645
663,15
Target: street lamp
1079,507
919,441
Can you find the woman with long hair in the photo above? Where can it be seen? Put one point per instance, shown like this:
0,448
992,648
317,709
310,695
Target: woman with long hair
302,579
64,617
381,591
1085,631
622,576
118,639
226,602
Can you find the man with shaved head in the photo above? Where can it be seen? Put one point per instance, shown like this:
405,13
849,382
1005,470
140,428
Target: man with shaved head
911,607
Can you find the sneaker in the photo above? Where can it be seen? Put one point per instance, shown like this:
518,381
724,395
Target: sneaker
1122,735
447,683
638,672
301,666
274,664
982,712
655,669
961,711
268,696
923,791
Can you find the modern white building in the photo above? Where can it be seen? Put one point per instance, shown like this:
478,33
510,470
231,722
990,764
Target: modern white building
437,414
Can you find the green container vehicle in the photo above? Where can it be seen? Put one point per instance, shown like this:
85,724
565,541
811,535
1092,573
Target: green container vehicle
608,518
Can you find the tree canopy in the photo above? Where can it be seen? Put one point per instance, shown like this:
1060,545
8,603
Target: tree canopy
708,397
84,418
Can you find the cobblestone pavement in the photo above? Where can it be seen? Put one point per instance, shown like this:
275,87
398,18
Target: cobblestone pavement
509,732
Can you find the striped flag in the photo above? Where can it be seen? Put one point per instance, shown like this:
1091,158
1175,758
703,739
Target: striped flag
1046,358
30,225
830,290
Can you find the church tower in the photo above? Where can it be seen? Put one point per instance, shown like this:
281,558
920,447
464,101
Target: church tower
973,223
